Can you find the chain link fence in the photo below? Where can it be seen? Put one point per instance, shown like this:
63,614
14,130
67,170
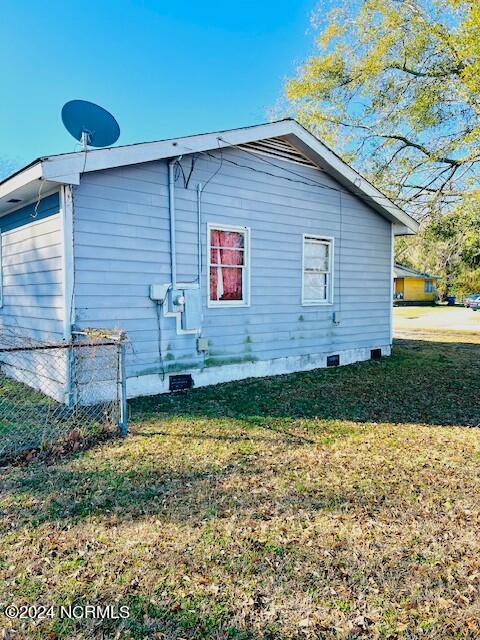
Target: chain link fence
56,394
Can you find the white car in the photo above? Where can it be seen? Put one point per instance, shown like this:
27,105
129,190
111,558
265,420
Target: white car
471,300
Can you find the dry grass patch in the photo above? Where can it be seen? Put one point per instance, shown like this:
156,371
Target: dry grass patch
253,511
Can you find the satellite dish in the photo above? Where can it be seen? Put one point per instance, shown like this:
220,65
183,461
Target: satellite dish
90,124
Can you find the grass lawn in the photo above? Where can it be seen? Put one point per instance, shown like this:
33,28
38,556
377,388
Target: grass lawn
338,503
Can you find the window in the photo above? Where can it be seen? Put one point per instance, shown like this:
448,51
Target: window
428,287
317,286
228,250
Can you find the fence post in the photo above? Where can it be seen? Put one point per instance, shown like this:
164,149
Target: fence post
71,387
122,424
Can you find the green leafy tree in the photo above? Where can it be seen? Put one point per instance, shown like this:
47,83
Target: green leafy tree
394,88
448,245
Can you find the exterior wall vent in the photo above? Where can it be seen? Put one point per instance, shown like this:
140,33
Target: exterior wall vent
333,361
279,149
375,354
180,382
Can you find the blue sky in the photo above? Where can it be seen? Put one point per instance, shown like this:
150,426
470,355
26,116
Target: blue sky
164,68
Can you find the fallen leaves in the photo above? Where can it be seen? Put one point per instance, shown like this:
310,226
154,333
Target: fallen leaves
215,526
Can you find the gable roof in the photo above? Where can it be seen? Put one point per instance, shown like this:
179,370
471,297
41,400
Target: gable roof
67,168
400,271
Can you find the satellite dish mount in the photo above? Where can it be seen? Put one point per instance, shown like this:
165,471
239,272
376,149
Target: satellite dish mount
85,139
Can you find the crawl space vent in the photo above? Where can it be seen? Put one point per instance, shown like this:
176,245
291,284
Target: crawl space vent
375,354
333,361
180,382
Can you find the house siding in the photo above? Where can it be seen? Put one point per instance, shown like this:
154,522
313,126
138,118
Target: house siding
32,286
121,246
31,271
414,290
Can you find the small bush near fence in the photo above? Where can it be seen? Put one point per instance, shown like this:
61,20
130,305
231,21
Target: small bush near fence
59,394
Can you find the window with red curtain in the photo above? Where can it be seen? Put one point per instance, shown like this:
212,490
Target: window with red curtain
227,265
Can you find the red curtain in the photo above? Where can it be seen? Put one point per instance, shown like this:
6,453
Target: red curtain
227,251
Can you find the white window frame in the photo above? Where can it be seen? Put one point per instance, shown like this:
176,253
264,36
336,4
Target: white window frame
330,242
246,273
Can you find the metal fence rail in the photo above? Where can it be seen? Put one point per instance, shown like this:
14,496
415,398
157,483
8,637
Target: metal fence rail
55,393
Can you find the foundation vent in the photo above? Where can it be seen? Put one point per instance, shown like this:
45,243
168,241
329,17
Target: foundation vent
180,382
375,354
279,149
333,361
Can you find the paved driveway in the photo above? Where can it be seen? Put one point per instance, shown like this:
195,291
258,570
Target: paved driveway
435,322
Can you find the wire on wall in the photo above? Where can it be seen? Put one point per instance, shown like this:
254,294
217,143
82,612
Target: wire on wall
258,156
158,308
303,180
39,199
200,190
219,166
42,182
298,178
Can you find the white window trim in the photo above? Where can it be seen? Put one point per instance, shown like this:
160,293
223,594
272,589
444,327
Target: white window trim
330,281
246,271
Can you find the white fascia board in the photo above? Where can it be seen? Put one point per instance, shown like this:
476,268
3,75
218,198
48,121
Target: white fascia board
29,184
67,168
64,178
21,179
403,230
99,159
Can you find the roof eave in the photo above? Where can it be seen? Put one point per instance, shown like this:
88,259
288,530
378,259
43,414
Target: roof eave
20,178
67,168
406,272
28,184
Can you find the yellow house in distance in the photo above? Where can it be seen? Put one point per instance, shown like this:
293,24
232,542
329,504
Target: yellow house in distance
413,287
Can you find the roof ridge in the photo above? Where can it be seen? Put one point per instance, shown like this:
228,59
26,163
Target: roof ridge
67,168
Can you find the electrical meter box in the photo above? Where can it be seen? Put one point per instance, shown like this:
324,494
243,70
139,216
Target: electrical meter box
192,310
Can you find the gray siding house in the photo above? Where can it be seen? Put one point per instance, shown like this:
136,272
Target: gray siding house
223,256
